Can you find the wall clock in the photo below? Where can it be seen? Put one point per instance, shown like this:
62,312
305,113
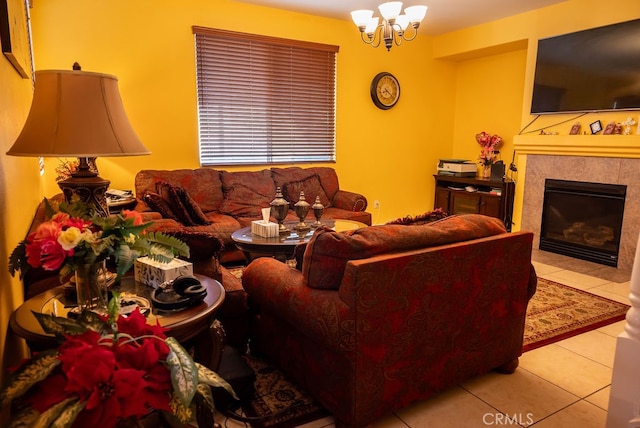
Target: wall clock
385,90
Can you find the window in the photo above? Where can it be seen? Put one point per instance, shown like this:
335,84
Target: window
264,100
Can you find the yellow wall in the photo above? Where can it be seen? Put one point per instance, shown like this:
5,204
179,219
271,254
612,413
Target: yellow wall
387,155
19,196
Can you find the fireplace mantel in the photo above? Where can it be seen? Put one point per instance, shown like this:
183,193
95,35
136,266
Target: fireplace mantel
612,146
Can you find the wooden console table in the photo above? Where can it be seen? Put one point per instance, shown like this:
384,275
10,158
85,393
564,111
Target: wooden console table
492,198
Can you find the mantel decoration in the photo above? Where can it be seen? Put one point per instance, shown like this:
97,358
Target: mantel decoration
110,371
488,152
77,240
393,26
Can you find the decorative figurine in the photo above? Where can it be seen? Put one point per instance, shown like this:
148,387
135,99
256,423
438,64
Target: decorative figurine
301,208
318,209
279,210
627,125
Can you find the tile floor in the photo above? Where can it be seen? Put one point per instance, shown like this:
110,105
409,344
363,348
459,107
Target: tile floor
565,384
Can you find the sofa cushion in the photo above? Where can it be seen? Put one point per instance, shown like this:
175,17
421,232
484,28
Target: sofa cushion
327,177
157,203
203,184
246,192
311,187
196,214
171,197
328,252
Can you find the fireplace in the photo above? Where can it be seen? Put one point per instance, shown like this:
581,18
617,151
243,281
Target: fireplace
583,220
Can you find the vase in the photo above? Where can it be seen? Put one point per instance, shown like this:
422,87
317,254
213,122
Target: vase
91,286
486,171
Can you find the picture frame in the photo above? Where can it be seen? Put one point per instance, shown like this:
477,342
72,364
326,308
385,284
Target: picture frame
575,129
596,127
14,35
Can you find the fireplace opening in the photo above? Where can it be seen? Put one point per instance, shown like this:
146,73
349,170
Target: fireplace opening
583,220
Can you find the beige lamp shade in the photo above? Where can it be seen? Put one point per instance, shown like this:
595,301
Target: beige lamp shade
77,114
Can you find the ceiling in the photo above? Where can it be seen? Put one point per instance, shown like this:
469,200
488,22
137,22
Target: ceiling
443,15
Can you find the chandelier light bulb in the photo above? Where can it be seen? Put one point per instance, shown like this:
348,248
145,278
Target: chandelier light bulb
372,25
416,13
361,17
390,10
402,21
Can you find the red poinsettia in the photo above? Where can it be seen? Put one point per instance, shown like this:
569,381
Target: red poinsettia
106,371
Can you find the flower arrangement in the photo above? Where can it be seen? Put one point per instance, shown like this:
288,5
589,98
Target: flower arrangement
488,144
76,236
107,371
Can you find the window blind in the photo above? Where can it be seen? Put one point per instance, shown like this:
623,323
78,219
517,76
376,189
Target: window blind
264,100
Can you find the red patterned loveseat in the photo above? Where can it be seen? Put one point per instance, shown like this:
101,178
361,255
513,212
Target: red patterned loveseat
220,202
386,315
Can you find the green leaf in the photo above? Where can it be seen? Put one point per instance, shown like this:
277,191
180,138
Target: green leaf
209,377
69,415
57,416
24,418
35,370
18,260
184,374
178,247
58,325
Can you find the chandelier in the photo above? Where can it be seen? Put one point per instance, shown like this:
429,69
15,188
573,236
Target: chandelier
393,26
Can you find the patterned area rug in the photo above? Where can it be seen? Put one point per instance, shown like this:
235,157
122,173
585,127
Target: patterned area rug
282,403
557,312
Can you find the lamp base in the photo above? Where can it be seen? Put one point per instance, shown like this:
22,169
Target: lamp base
91,190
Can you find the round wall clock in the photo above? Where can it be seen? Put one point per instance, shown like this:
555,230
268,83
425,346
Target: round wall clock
385,90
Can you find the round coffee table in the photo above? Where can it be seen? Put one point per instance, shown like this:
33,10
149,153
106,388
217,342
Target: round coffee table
191,325
282,247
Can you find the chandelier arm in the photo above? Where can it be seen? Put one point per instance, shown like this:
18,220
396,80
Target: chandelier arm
366,38
415,33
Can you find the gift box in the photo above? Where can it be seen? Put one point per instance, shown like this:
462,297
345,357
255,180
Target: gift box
266,230
153,273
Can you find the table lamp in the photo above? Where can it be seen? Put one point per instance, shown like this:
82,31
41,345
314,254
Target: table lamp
78,114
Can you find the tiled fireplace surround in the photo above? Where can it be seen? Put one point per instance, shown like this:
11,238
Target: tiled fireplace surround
544,163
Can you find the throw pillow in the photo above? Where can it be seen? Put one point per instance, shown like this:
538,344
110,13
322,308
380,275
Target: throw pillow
311,187
171,197
158,204
427,217
195,213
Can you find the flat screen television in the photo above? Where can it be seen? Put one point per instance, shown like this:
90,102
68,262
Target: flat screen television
591,70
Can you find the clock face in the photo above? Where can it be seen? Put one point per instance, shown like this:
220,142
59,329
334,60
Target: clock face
385,90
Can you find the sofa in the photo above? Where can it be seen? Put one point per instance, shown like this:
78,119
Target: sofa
216,202
380,317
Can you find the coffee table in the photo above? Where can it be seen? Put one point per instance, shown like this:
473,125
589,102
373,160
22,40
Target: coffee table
282,247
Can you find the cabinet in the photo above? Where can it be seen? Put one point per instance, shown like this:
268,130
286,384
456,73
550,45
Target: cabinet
492,198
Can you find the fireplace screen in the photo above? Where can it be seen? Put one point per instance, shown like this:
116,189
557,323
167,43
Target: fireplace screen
583,220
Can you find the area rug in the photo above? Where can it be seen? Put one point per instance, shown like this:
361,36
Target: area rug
278,400
557,312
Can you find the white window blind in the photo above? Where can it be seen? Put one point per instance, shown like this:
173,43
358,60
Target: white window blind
264,100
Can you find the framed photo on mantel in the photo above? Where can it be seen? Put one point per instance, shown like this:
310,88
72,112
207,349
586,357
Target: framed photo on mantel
14,35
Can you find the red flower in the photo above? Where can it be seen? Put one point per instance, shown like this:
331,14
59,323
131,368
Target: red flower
136,215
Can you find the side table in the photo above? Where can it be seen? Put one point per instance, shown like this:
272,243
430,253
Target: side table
193,326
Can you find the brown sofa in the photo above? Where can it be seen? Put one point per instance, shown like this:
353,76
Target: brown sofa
229,201
380,317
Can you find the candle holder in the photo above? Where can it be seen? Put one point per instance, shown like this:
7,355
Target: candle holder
279,209
302,208
318,209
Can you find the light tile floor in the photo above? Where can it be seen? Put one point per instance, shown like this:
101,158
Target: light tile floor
565,384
